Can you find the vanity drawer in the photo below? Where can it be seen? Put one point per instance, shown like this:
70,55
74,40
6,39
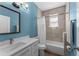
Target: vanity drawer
24,52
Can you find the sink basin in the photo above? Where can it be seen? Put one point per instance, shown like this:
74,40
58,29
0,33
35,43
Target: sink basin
13,47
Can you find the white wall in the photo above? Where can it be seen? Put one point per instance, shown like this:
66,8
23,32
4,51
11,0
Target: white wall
78,27
77,24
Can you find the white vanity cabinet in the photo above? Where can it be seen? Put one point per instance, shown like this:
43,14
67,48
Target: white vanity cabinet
31,50
24,52
35,49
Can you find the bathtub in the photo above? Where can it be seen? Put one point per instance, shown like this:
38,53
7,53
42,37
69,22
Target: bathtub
55,47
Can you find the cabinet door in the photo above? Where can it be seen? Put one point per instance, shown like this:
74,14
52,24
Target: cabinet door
35,49
24,52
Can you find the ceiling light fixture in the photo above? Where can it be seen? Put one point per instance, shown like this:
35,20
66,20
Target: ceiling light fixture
18,4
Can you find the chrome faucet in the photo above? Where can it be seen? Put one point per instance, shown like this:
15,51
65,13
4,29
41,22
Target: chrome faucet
11,41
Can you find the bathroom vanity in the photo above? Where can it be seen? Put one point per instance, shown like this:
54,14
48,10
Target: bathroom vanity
26,47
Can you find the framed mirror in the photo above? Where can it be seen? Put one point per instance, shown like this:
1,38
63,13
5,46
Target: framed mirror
9,20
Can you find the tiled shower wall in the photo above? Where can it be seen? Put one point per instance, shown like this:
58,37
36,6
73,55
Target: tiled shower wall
55,34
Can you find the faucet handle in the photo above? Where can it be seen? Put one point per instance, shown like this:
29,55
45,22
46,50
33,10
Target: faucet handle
11,41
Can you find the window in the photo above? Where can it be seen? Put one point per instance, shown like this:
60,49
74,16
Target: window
53,21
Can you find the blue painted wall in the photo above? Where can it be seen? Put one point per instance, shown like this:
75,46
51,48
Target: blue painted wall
28,21
33,17
73,10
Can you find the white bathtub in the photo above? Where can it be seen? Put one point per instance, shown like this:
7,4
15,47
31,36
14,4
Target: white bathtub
55,47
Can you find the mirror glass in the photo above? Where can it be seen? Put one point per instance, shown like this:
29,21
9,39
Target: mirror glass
9,20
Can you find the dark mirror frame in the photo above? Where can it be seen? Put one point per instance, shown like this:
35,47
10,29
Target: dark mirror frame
19,20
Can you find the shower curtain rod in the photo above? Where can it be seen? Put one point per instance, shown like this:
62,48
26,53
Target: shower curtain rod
57,14
53,15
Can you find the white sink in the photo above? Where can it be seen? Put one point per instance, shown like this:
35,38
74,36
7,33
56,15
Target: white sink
13,46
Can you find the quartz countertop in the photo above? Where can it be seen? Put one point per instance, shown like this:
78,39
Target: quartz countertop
5,52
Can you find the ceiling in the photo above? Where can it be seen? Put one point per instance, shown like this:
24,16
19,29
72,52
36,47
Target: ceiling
49,5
